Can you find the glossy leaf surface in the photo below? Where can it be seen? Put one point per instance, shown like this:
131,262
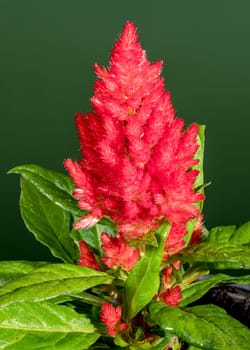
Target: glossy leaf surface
44,326
143,281
217,255
230,234
207,327
51,281
12,270
46,206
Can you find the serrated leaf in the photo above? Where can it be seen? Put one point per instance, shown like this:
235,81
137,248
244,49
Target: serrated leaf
196,290
144,279
12,270
216,255
51,281
32,326
230,234
207,327
242,234
221,234
49,223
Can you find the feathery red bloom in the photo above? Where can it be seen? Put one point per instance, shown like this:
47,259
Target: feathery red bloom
87,258
111,317
118,253
137,160
172,296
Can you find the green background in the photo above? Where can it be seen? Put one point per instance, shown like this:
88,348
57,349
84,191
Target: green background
48,48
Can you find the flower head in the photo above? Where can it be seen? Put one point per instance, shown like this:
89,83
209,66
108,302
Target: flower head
87,258
118,253
111,317
136,165
172,296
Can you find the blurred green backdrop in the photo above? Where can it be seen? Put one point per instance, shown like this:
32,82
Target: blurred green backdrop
48,48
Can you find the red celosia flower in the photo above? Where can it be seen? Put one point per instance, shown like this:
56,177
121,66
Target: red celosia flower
118,253
137,160
172,296
111,317
87,258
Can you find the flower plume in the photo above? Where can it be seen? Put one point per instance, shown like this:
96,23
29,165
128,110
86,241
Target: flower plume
137,159
118,253
111,317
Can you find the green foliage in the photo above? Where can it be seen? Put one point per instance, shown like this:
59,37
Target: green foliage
44,325
196,290
92,236
51,281
199,182
207,327
230,234
144,280
55,186
46,306
46,206
11,270
216,255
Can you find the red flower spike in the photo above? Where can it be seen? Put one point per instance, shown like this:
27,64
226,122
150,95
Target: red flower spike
87,257
172,296
136,158
111,317
118,253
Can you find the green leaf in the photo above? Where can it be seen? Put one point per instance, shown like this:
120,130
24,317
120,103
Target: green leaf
92,236
46,207
51,281
148,239
46,204
221,234
190,229
161,343
199,182
12,270
196,290
207,327
230,234
144,279
55,186
242,234
216,255
49,223
44,326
